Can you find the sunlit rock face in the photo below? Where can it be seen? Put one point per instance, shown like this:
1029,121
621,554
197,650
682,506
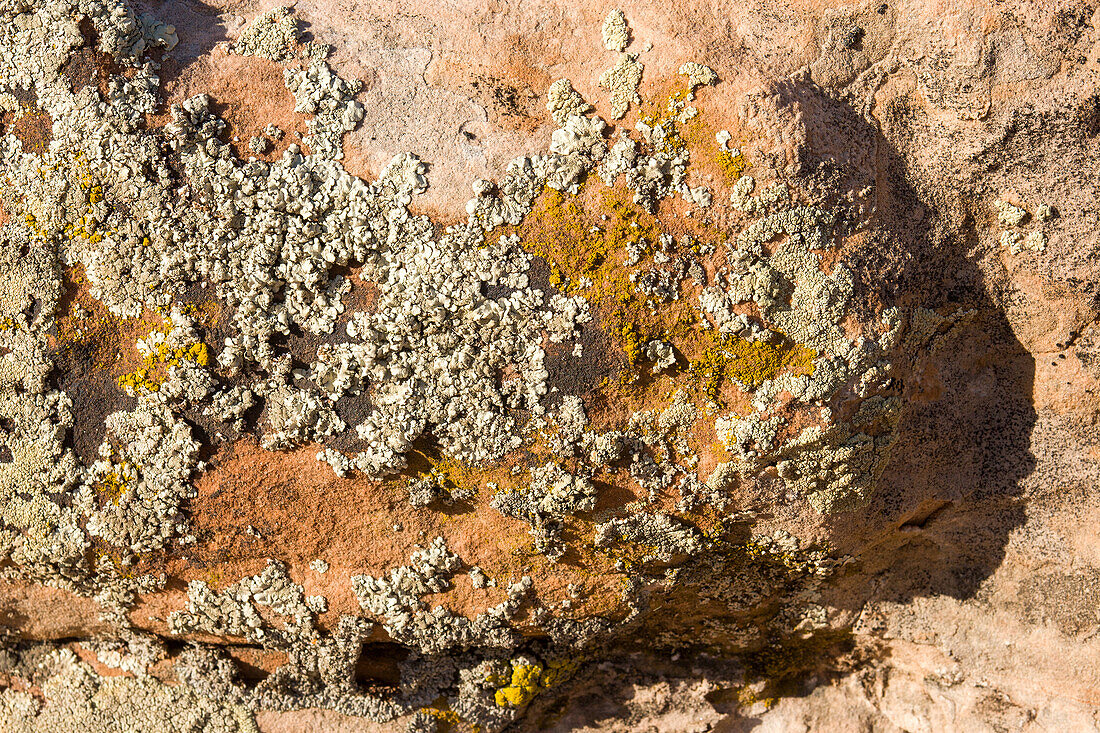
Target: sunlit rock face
515,368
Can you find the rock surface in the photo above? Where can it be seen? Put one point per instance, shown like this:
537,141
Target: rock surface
777,414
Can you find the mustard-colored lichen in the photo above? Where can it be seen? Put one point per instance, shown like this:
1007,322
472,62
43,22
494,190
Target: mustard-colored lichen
448,718
522,688
586,239
529,679
159,359
117,482
558,670
732,165
750,363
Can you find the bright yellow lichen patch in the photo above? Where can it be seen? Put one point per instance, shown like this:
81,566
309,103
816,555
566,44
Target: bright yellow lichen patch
747,697
83,229
522,688
793,560
697,135
206,313
37,232
570,233
629,340
586,239
750,363
448,718
114,484
627,555
158,357
558,670
732,165
529,679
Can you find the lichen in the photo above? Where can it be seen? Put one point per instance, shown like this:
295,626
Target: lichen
747,363
698,75
563,102
622,81
169,345
615,32
76,700
455,351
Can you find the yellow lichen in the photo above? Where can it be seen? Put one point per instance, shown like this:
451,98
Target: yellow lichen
746,697
138,380
750,363
572,235
446,716
522,688
629,340
627,556
529,679
37,231
159,359
82,226
664,115
584,239
732,165
116,482
119,566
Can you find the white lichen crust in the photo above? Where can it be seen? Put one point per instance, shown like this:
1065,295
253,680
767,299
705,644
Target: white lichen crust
622,81
452,353
615,31
78,700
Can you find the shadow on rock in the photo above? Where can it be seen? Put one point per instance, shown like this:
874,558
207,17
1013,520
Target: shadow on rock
199,26
944,506
949,495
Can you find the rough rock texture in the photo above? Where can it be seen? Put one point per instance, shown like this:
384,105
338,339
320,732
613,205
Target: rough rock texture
549,366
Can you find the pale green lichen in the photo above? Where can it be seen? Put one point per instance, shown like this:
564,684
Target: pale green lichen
78,700
436,358
1010,215
272,36
615,32
622,81
698,75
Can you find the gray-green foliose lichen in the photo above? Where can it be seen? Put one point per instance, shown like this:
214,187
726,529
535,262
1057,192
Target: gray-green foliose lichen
147,214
